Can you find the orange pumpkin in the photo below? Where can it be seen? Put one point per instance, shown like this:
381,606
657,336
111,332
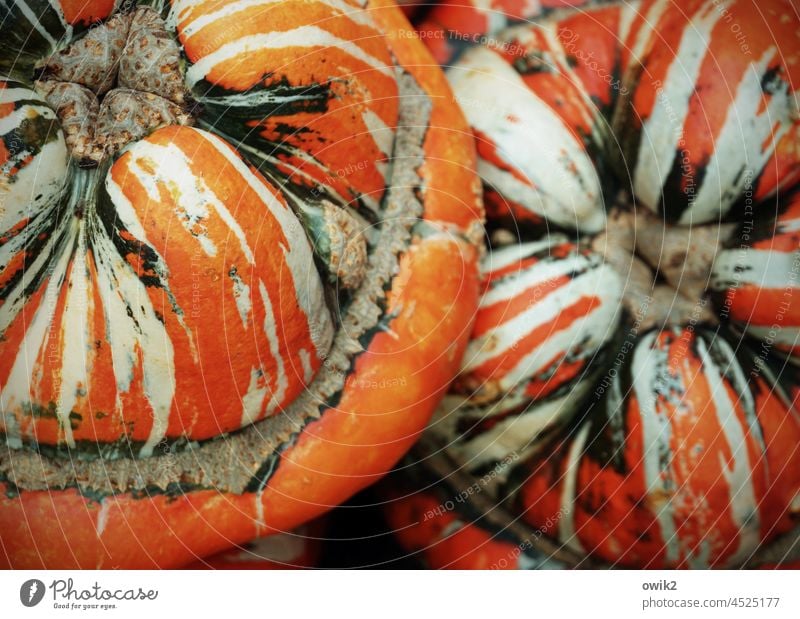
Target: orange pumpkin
239,269
662,135
691,460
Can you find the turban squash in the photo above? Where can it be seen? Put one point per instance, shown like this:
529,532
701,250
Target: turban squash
239,266
661,138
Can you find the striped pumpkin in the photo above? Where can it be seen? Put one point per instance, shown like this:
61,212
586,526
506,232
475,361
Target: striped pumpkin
615,94
757,285
691,146
218,268
692,461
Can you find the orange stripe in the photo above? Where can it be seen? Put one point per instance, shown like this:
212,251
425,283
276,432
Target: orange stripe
523,265
764,306
492,316
500,365
5,110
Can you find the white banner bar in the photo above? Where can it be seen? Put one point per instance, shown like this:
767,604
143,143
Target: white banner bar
400,595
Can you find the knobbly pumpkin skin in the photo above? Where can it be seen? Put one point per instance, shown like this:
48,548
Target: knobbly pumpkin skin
706,257
390,386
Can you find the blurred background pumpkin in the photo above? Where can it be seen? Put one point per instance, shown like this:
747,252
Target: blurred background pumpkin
239,269
631,375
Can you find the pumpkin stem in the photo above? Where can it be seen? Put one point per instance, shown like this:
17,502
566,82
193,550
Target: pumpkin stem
666,267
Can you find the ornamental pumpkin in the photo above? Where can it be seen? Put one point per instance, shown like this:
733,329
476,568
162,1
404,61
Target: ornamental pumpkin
670,151
238,268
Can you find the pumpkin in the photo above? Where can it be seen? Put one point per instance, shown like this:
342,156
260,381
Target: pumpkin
238,269
657,142
693,462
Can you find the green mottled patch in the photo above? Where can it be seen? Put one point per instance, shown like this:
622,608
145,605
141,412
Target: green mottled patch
36,131
37,411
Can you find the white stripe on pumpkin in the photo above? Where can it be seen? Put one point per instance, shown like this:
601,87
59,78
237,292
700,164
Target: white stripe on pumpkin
662,131
741,143
648,368
762,268
25,374
736,470
274,348
298,254
303,36
566,523
504,257
356,15
76,347
140,333
589,332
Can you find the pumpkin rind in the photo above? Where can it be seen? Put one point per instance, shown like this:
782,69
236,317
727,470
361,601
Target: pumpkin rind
548,311
182,227
548,307
556,179
256,69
